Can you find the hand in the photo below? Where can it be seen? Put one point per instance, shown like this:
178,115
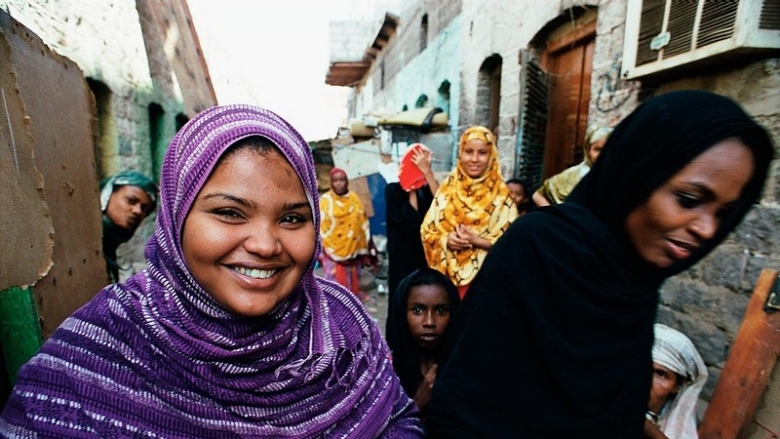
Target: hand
422,158
455,242
465,233
423,394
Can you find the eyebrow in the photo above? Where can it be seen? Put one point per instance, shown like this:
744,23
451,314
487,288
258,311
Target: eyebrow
294,206
233,198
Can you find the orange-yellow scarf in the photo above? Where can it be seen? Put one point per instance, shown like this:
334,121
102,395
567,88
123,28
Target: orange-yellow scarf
483,204
344,229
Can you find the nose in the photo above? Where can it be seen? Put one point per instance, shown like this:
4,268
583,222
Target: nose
428,320
705,226
262,241
137,209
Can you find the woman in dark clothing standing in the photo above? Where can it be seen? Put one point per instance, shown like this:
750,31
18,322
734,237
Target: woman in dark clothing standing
405,209
556,332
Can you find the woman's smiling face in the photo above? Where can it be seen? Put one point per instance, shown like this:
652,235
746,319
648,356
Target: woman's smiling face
686,211
249,236
475,158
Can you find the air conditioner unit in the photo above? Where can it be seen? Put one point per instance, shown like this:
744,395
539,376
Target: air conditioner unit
666,35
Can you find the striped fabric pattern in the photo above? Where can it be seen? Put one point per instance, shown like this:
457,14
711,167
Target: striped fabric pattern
157,357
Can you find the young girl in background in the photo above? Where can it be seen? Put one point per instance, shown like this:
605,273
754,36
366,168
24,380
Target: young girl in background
417,325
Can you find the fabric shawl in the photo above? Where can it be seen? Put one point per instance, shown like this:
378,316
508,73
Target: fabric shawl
158,357
483,204
556,188
554,338
345,229
404,245
675,351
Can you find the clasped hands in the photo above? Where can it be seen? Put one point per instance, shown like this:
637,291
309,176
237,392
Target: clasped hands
463,238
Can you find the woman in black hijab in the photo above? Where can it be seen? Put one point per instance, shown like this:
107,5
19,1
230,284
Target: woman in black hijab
555,335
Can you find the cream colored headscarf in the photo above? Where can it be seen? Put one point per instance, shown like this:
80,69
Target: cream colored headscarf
481,203
559,186
673,350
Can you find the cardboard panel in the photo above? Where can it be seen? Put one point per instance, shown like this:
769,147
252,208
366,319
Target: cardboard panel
60,111
26,244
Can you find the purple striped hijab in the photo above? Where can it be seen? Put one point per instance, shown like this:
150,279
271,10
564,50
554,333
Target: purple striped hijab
157,356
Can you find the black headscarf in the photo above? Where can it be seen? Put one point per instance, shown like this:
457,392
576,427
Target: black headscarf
405,350
554,338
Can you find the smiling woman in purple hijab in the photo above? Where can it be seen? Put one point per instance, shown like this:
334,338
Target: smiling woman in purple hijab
227,333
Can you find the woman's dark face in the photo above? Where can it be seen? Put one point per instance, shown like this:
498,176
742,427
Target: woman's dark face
128,206
339,183
428,314
686,211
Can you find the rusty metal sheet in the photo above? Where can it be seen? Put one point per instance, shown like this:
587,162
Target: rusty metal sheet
26,244
60,111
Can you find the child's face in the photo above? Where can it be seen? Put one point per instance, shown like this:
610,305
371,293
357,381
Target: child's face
249,236
517,192
428,314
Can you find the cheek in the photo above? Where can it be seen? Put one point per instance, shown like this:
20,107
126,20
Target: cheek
301,245
201,241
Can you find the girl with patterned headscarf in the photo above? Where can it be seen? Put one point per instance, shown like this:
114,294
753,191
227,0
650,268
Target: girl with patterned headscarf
679,374
555,189
345,232
227,333
470,211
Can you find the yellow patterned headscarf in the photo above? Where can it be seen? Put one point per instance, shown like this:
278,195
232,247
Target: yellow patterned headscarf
344,226
483,204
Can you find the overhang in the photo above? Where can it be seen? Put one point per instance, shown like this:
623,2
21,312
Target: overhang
350,73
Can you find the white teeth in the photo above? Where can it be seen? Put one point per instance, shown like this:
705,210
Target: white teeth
257,274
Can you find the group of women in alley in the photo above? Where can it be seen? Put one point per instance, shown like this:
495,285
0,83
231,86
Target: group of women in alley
228,332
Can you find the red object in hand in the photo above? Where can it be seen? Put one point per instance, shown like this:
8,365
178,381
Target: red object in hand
409,175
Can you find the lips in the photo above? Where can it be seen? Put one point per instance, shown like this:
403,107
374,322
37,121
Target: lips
680,249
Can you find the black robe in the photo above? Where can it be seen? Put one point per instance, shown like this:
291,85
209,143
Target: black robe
404,245
554,338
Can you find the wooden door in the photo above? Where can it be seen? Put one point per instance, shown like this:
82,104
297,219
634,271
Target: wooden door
568,61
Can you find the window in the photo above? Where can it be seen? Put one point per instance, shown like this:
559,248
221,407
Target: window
424,33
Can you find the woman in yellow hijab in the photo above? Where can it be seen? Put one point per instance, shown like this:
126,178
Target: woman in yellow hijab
470,211
345,233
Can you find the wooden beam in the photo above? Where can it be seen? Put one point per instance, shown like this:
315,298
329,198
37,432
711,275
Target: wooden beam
749,364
